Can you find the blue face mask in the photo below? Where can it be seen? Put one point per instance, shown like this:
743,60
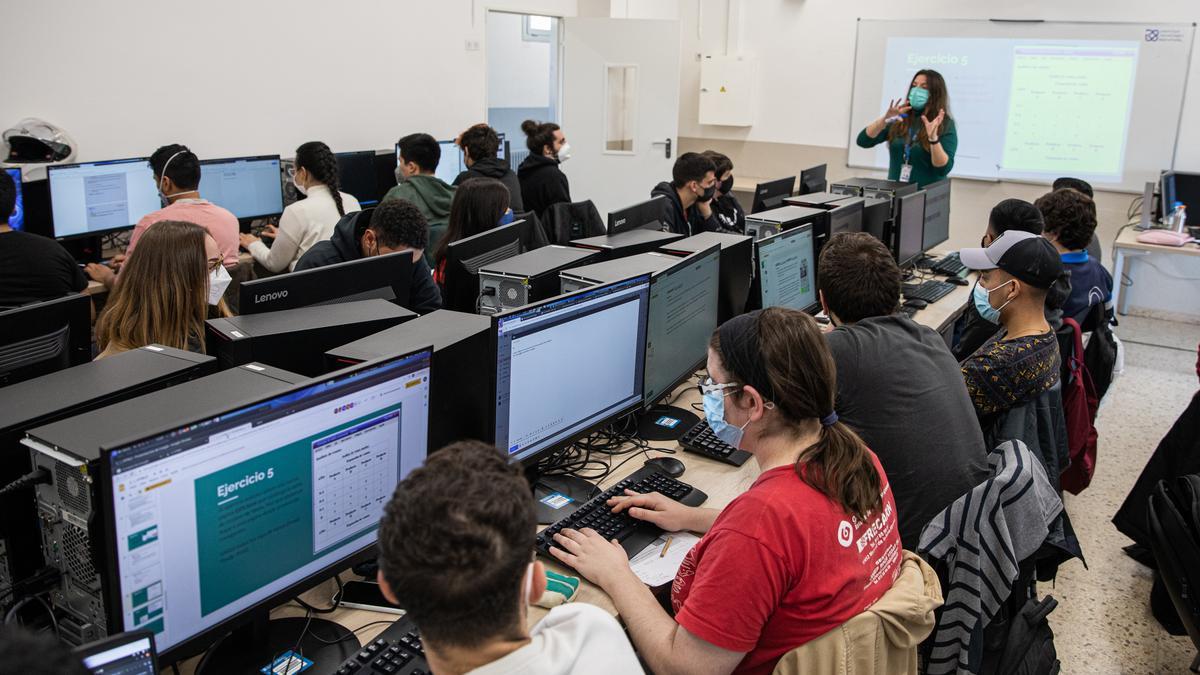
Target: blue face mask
918,97
983,304
714,414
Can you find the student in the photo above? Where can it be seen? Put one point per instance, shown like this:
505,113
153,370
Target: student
1022,361
26,653
1070,224
480,144
395,225
543,184
468,582
811,543
898,385
729,212
32,268
479,205
309,220
169,286
419,158
687,209
1093,249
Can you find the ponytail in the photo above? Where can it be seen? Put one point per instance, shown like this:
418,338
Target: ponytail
839,467
322,164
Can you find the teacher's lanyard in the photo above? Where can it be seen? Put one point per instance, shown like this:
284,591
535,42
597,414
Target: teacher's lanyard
912,138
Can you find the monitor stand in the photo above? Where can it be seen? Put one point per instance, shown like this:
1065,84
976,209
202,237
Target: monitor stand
666,423
556,497
251,647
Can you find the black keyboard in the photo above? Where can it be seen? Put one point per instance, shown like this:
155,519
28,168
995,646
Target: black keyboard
633,534
950,266
701,440
397,651
929,291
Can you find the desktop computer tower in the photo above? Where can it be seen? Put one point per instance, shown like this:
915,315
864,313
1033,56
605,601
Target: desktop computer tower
877,219
460,396
579,278
737,267
297,339
768,223
528,277
819,200
73,527
889,189
631,242
852,187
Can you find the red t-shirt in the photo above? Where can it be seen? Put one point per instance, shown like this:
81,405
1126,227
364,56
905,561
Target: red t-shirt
783,565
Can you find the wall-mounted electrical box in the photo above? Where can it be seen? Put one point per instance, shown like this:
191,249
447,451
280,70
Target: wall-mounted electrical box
727,90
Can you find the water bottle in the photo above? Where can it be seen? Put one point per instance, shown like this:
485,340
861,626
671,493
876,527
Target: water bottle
1178,216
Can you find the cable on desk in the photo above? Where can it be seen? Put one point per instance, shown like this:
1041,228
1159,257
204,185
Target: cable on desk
334,603
351,633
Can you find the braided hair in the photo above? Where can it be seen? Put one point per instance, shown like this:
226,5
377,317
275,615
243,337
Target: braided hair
322,164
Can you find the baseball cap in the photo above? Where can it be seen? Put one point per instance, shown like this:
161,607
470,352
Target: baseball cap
1026,256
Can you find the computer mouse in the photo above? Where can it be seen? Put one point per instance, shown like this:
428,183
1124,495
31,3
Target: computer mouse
916,303
958,281
668,465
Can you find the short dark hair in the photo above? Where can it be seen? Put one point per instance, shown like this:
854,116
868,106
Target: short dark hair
538,135
480,141
1070,216
422,150
184,170
720,161
858,277
399,223
1015,214
455,541
1075,184
8,197
26,653
691,166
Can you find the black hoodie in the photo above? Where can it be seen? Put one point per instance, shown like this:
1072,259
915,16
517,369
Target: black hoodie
343,246
674,219
543,184
494,167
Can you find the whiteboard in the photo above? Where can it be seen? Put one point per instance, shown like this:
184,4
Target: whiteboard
1035,100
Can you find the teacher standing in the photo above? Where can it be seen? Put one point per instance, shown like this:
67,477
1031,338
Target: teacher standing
920,135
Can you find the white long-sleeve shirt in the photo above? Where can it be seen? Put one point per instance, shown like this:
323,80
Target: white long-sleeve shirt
302,224
573,639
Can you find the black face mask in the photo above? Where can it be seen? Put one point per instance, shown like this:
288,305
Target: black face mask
727,185
708,193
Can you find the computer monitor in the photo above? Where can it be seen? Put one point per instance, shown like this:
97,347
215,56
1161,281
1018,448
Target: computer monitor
770,195
937,214
131,653
1178,186
451,164
385,171
44,337
639,216
787,270
813,180
16,219
356,174
387,277
909,228
248,186
95,198
465,257
211,524
846,218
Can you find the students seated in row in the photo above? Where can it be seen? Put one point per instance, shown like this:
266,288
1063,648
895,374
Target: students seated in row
480,204
468,582
32,268
419,184
687,209
1085,188
543,184
480,144
1022,361
395,225
309,220
730,214
1070,224
898,386
812,543
169,286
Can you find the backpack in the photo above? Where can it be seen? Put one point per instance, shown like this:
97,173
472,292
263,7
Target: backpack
1029,645
1080,403
1102,356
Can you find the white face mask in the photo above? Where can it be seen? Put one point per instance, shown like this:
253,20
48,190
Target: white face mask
564,153
218,281
299,188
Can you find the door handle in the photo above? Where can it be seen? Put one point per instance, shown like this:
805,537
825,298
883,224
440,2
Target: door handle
666,143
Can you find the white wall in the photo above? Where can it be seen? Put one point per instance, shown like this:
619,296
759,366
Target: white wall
233,77
519,70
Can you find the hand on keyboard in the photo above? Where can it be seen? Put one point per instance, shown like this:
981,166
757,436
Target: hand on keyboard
601,561
664,512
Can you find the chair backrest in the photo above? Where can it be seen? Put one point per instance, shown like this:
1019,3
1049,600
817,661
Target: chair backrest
1174,521
578,220
45,337
538,237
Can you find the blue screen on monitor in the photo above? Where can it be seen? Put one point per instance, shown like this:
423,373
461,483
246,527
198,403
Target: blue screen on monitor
16,219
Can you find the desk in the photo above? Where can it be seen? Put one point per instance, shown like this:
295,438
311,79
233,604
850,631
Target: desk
1127,247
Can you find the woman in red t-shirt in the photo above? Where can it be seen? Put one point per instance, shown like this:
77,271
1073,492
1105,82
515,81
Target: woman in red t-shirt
811,544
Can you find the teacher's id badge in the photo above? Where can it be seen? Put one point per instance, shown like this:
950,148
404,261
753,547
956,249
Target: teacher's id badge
905,173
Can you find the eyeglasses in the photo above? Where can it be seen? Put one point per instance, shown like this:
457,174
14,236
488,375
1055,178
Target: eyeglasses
291,171
708,385
213,264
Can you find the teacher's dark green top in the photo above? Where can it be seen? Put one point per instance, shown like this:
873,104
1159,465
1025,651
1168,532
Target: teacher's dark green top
923,170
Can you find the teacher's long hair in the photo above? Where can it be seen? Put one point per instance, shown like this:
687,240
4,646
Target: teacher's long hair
938,100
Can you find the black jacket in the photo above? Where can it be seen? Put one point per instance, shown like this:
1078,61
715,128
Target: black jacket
729,214
543,184
494,167
423,294
674,219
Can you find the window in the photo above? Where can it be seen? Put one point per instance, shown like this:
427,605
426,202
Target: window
620,110
536,28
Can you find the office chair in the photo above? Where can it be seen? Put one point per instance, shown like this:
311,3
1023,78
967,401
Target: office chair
1174,521
45,337
578,220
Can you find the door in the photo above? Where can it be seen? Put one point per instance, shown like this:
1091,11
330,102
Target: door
620,107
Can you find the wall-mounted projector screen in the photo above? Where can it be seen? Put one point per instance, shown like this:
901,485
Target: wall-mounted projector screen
1035,100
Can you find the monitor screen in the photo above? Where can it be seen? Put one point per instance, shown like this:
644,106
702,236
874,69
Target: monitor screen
599,334
682,318
771,194
813,180
231,513
786,269
98,197
1182,187
248,186
356,173
644,215
123,655
384,277
846,218
937,214
910,221
451,163
16,219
